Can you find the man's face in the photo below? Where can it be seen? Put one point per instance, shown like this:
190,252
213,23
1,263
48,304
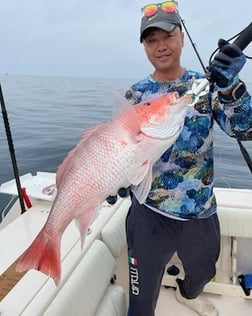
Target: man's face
163,49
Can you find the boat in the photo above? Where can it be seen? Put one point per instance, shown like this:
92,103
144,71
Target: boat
94,279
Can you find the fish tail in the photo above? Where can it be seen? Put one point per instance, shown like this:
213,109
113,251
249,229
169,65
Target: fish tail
42,255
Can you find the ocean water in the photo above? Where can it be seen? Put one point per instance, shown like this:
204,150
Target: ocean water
47,115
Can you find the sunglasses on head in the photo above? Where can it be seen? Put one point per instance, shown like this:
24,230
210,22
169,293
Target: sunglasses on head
151,9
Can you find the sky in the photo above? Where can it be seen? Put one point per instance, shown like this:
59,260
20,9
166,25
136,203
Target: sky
87,38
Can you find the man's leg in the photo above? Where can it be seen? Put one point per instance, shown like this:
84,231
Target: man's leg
149,249
199,250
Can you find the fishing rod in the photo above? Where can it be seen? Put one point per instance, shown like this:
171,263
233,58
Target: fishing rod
243,39
12,151
193,46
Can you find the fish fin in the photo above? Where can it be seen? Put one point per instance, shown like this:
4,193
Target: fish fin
89,132
42,255
127,116
142,190
84,220
120,103
138,175
62,166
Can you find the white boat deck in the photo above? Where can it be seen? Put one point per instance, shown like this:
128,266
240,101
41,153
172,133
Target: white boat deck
167,305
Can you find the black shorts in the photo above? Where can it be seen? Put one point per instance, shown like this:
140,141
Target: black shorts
153,239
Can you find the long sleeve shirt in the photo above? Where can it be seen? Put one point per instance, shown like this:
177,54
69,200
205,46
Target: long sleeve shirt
183,177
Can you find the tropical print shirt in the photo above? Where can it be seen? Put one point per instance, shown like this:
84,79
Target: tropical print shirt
182,185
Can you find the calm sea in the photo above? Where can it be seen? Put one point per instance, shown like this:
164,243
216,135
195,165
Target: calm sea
48,114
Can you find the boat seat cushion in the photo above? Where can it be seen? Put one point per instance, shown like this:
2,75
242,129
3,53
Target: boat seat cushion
113,302
113,233
234,208
86,286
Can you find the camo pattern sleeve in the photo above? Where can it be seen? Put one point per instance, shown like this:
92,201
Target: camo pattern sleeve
235,118
182,185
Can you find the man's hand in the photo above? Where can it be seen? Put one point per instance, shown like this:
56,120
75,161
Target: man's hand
225,67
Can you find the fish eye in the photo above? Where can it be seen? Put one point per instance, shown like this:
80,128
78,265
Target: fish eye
147,103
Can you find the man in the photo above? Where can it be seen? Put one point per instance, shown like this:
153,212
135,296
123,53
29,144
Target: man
179,214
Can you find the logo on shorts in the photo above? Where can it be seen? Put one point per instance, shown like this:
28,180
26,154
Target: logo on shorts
133,261
134,278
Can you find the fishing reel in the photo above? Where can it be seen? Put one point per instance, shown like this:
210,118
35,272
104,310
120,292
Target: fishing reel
203,86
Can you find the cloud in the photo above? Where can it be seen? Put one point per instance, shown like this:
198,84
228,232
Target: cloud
87,38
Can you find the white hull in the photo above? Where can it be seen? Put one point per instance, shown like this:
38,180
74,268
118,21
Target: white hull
85,287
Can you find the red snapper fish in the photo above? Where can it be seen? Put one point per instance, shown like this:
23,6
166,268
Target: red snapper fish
111,155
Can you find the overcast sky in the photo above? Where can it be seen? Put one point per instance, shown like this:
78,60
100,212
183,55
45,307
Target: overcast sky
101,38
